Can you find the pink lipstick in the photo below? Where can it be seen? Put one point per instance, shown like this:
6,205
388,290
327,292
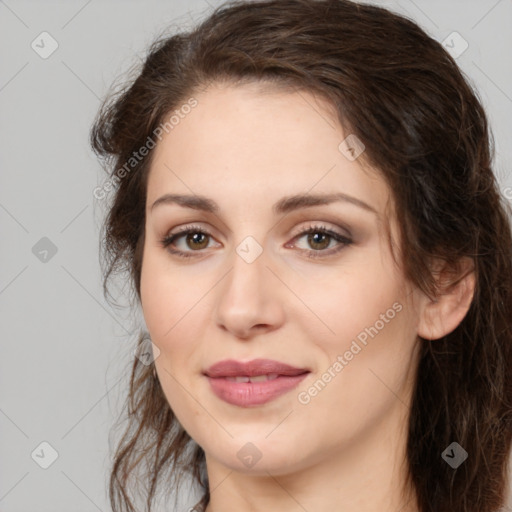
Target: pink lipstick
253,383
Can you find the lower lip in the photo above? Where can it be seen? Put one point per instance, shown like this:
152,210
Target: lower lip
246,394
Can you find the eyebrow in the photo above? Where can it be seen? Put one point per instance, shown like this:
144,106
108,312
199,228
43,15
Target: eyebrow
284,205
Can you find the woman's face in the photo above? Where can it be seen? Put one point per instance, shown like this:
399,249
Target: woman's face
246,283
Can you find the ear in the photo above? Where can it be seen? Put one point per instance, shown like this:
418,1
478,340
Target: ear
455,289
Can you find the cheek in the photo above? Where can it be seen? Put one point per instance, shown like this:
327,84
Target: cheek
166,303
369,348
362,295
366,371
164,295
154,299
173,304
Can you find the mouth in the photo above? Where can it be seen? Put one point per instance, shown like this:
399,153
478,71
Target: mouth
257,378
253,383
255,368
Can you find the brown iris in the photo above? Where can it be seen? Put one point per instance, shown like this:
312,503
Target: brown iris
196,238
313,239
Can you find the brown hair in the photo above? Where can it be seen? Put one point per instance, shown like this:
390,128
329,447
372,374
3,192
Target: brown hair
424,128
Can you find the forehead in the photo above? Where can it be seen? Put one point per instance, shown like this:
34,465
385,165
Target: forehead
252,145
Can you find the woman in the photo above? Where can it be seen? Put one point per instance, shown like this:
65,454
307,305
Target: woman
305,204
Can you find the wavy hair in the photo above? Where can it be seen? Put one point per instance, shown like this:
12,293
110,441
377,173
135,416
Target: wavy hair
426,131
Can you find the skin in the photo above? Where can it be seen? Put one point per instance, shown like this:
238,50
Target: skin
246,147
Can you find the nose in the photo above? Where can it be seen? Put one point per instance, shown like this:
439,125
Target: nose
249,299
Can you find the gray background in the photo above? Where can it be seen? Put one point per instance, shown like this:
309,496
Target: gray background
66,352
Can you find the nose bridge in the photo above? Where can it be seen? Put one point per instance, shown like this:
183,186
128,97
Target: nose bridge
247,297
245,281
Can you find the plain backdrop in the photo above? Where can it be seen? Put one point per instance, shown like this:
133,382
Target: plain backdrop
65,350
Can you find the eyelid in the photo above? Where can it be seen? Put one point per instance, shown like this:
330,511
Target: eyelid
184,230
342,241
321,224
195,227
296,231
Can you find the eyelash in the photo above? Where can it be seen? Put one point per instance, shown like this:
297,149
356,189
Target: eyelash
185,230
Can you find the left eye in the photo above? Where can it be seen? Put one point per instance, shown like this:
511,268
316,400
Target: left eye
319,237
196,239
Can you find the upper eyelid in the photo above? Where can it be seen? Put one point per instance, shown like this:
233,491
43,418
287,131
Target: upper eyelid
323,225
181,230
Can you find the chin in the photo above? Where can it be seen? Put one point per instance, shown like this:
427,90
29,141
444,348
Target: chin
258,456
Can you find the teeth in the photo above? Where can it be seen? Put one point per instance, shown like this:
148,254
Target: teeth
256,378
259,378
238,379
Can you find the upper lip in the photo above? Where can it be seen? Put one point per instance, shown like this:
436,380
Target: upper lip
232,368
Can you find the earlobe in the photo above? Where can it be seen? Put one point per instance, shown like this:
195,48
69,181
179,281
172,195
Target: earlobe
442,315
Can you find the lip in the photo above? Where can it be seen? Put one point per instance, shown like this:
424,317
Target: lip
233,368
247,394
